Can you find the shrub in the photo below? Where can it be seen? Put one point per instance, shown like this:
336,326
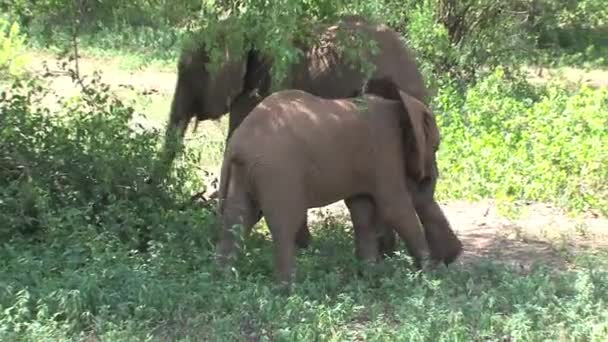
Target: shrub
86,155
503,142
463,40
74,198
13,59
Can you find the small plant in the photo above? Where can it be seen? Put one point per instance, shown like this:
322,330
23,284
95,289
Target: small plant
13,59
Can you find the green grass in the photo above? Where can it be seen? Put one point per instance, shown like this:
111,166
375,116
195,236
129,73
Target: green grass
109,293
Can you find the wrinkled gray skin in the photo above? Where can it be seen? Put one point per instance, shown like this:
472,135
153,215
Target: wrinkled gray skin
243,81
297,151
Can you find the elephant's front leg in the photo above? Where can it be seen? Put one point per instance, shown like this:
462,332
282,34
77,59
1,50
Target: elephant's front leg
396,208
363,211
363,216
239,109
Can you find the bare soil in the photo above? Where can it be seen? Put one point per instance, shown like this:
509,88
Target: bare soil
593,78
543,234
146,80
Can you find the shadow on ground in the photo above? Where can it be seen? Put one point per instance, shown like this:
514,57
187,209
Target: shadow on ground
542,235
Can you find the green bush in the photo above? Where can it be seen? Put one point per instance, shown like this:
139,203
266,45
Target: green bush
43,14
84,155
78,216
144,27
459,40
13,58
455,39
502,141
463,40
562,22
570,32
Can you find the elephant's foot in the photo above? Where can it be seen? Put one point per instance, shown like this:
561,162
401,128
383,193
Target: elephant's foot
284,287
427,263
224,262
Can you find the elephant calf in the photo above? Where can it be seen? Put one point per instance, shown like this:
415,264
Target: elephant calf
297,151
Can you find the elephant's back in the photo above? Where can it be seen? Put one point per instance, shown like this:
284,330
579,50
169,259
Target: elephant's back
395,62
271,120
296,119
291,108
325,145
326,72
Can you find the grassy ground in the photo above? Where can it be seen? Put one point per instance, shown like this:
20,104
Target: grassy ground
538,276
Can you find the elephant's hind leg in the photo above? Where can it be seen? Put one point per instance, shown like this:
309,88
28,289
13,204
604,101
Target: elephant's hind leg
284,209
239,212
283,228
362,214
303,237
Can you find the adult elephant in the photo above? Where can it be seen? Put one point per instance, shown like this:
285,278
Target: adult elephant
243,81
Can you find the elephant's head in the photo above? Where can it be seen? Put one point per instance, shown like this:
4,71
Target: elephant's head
202,92
422,144
422,173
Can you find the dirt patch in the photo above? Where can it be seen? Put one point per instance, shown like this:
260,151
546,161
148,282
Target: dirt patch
151,89
543,234
593,78
146,80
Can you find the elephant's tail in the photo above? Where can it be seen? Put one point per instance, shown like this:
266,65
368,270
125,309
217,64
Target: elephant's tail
225,175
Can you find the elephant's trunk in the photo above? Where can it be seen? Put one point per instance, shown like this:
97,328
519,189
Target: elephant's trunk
442,241
175,130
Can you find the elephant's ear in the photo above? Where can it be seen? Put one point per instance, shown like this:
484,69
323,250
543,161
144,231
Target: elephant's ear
425,133
257,72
